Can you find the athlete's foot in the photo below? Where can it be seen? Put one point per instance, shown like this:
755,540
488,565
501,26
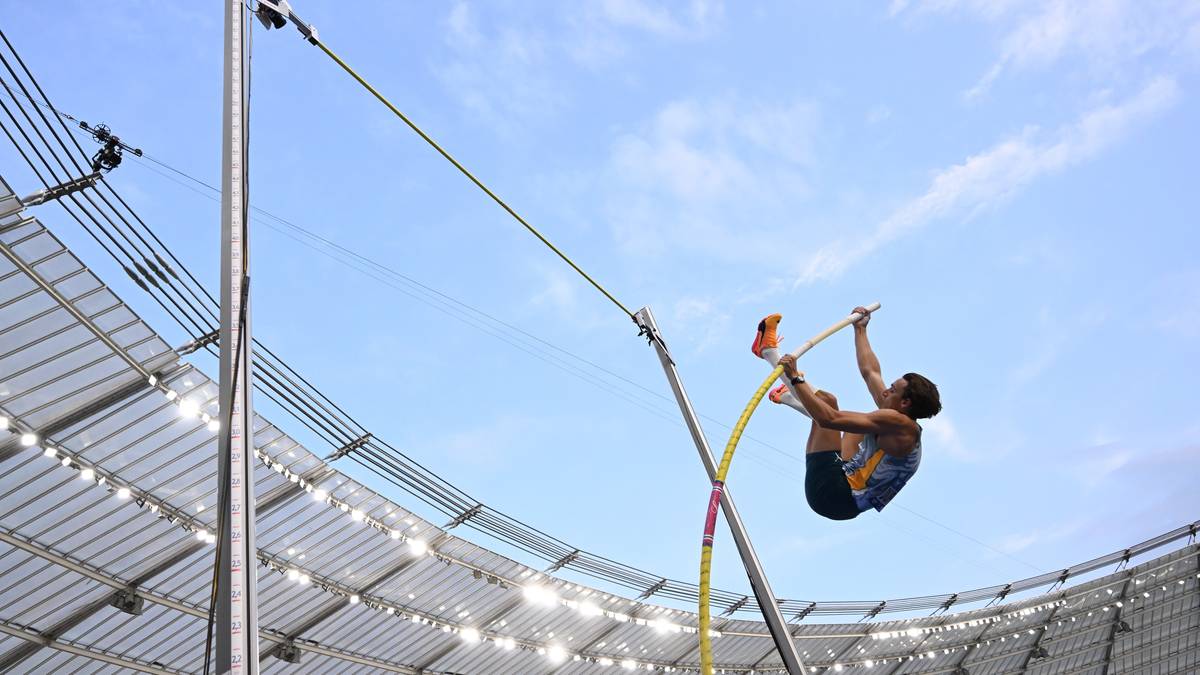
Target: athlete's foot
777,393
766,337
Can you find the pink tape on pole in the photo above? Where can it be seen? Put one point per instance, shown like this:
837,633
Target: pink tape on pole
714,505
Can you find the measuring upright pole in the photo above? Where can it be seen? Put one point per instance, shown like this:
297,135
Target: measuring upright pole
237,598
758,579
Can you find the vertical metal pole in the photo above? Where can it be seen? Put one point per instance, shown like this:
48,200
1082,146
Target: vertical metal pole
237,608
754,570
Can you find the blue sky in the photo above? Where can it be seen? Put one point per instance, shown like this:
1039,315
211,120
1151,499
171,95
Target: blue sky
1013,180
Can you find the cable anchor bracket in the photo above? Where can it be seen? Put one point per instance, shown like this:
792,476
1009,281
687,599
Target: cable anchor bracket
652,336
277,13
60,191
349,447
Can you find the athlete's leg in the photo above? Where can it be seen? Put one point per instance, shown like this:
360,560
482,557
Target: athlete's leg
849,443
784,395
766,347
821,439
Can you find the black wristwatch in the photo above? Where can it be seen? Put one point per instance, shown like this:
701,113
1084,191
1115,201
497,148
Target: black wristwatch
799,379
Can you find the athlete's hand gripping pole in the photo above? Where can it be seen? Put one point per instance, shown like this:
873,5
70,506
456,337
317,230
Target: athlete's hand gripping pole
714,501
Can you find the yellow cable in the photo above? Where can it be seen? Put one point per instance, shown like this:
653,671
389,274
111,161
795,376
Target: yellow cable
468,174
706,661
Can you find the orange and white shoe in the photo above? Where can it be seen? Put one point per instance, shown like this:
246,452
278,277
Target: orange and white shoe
777,393
766,337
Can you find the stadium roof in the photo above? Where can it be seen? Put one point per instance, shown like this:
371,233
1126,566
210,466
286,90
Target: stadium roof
107,449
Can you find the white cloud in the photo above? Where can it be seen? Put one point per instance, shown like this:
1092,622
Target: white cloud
700,322
1020,541
987,8
1098,463
558,291
506,67
987,179
1119,464
562,293
463,34
1105,33
941,437
1017,542
694,19
711,175
499,74
601,32
672,155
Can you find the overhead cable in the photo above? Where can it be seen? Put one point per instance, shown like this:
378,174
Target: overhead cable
311,35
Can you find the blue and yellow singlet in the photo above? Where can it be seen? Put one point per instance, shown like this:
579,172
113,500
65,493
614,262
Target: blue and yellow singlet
876,477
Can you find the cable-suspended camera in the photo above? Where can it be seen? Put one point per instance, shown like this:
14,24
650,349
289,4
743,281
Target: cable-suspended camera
108,157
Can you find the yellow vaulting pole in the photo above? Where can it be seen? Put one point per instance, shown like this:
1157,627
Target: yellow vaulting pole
714,502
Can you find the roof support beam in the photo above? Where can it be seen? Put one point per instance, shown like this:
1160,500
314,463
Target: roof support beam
795,636
849,650
73,310
181,553
15,656
917,649
39,640
1065,656
1188,669
1038,642
1112,632
307,623
321,614
78,414
453,644
759,661
695,646
188,609
966,654
597,640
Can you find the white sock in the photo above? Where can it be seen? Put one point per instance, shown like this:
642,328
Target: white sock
789,398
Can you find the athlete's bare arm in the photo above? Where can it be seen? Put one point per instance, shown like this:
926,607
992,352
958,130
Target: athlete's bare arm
868,363
880,422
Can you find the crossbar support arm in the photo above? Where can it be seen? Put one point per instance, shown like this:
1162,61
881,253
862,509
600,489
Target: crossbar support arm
758,579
